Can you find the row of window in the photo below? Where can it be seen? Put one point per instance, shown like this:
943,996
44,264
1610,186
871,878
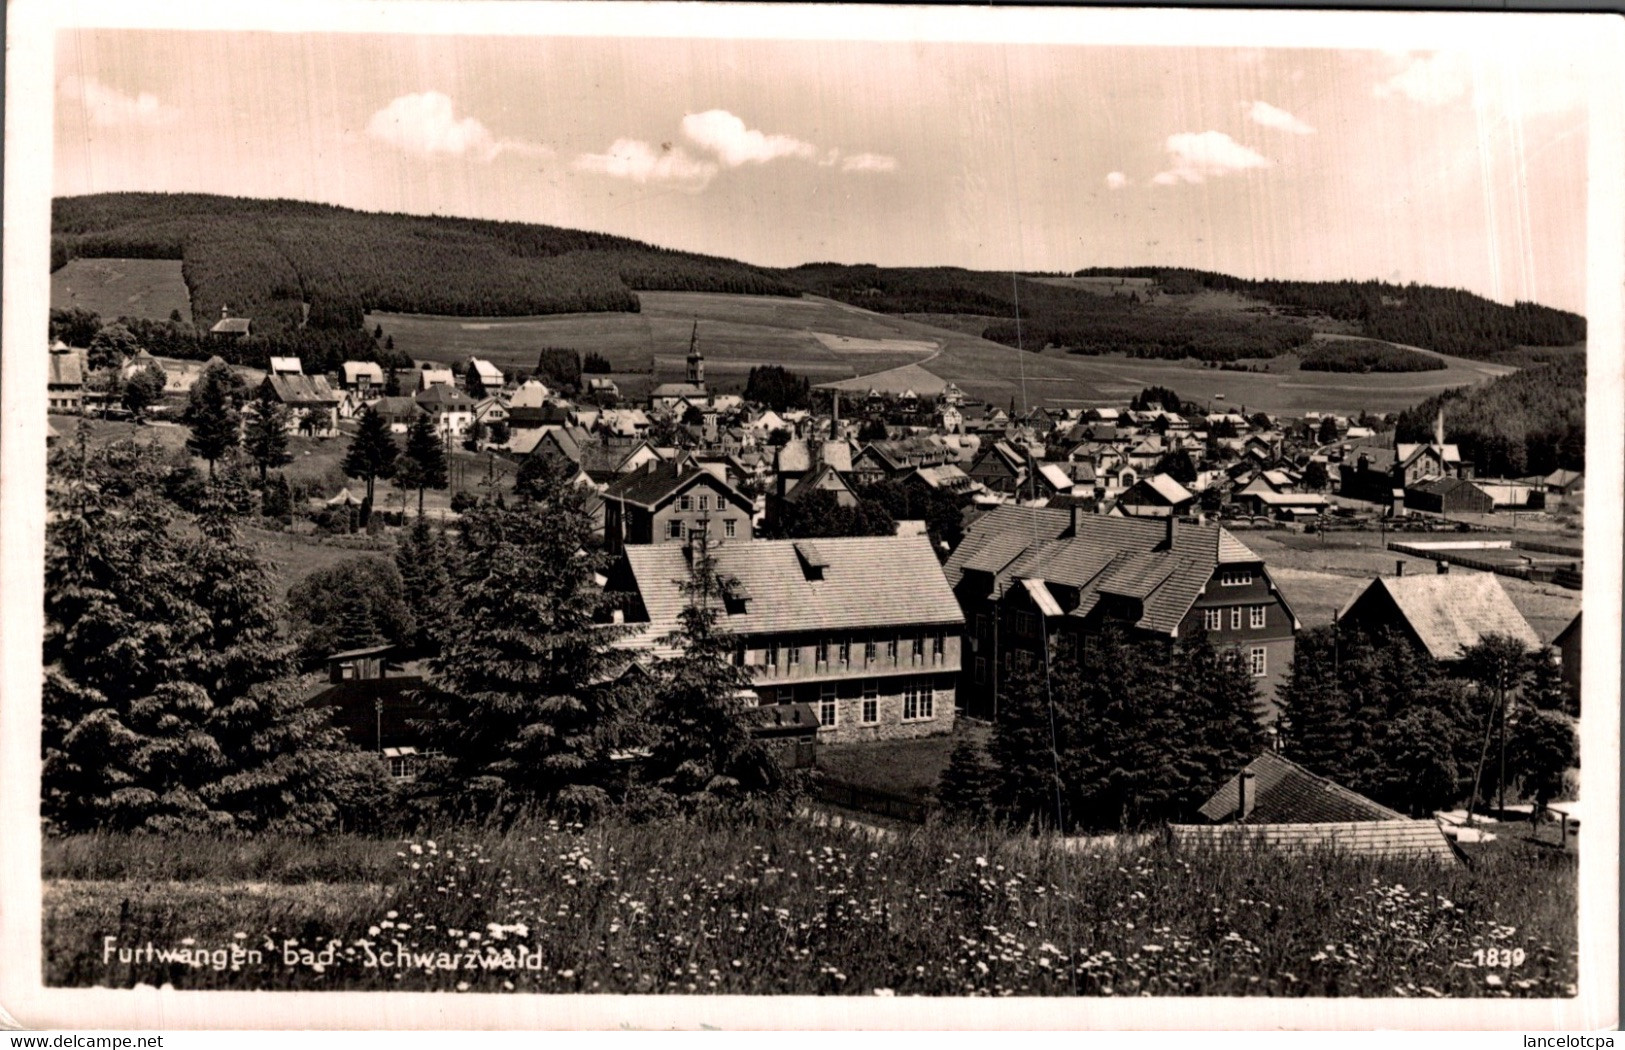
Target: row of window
688,502
919,702
843,649
675,528
1213,619
1257,662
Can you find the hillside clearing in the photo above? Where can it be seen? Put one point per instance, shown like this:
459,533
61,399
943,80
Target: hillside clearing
113,288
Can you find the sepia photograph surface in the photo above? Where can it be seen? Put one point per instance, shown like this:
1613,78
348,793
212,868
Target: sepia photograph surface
806,517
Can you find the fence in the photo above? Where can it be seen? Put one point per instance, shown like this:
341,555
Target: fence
868,800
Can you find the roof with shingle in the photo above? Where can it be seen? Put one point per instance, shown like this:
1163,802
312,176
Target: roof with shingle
302,390
793,455
354,370
532,393
657,482
65,370
1279,791
1404,839
996,538
825,479
231,326
445,399
396,408
1102,556
1450,612
1377,457
858,585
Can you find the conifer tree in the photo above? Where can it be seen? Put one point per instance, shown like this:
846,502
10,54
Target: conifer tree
372,452
1315,729
214,412
1542,749
424,560
277,498
167,700
265,433
1220,710
967,788
1544,689
423,466
529,707
703,751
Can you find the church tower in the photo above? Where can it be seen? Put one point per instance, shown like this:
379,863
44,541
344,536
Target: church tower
696,360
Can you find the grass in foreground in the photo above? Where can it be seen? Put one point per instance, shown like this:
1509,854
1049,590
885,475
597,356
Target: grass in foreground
801,909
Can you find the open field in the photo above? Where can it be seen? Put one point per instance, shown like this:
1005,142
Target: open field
911,768
819,338
114,288
788,906
829,341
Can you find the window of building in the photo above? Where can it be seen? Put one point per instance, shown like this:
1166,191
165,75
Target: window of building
739,655
729,528
869,649
826,704
705,504
685,502
772,654
846,652
937,643
822,654
1236,578
674,530
1212,619
1256,619
891,649
918,701
1235,618
981,625
981,669
919,646
793,655
1024,659
1024,623
871,701
1256,659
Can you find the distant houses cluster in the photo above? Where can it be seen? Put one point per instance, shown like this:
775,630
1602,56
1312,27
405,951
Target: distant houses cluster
1075,522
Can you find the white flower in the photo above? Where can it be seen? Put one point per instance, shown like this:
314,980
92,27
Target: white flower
885,993
1493,980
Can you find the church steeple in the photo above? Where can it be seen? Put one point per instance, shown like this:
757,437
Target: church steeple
696,360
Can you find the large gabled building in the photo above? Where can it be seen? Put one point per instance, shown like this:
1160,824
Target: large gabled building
670,502
1027,576
864,630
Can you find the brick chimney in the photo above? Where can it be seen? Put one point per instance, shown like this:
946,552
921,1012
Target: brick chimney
1399,568
1168,537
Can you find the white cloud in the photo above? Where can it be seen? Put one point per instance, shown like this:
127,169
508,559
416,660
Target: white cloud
734,144
1261,112
1200,155
1116,180
1431,80
869,162
427,123
640,162
108,107
723,141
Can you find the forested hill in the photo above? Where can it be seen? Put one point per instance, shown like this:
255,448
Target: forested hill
1448,320
268,259
309,272
1529,422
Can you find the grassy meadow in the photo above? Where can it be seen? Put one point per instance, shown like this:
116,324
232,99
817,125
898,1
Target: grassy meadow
114,288
826,341
798,908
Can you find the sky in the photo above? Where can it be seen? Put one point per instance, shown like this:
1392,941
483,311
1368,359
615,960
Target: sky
1462,168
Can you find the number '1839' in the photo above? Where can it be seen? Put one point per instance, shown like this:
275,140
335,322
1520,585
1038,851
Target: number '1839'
1499,956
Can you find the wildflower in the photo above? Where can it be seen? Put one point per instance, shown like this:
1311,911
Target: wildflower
1493,980
462,986
885,993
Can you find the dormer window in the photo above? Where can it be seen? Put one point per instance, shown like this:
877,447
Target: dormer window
813,563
